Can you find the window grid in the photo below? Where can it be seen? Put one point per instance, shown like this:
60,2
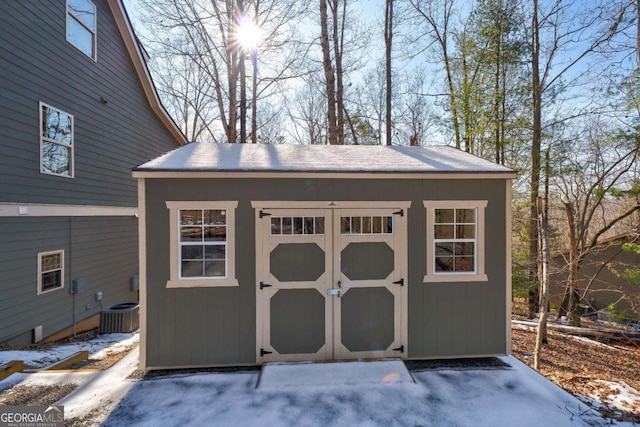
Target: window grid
56,142
455,240
202,237
81,26
50,271
297,225
366,224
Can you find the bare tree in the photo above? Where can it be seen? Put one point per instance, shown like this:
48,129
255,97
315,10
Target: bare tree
541,335
438,16
186,92
594,170
415,113
307,111
388,43
212,35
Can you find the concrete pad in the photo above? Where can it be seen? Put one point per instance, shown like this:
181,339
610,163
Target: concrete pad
278,376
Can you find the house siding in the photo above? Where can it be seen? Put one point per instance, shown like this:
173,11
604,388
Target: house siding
109,139
102,250
39,65
216,326
604,287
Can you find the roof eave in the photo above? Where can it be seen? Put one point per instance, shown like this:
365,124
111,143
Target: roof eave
196,173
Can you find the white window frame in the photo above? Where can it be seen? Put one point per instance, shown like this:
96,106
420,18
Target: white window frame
175,281
41,255
479,257
70,13
44,139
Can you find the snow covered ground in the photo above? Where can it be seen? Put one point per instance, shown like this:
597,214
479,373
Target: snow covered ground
98,348
509,396
305,395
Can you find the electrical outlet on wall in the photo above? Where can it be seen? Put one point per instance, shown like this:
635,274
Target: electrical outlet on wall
89,306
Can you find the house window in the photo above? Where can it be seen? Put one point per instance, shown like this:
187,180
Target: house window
50,271
455,241
202,236
81,26
56,142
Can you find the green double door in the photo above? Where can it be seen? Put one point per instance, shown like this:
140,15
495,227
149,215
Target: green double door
331,283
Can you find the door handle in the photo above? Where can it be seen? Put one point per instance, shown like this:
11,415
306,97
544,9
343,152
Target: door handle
334,291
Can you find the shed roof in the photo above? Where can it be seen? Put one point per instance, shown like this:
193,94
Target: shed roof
211,157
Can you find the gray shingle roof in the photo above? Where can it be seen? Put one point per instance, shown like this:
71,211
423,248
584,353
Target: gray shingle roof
320,158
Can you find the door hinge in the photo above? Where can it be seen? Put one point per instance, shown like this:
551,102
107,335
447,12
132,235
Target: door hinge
399,282
263,214
264,285
400,349
263,352
400,212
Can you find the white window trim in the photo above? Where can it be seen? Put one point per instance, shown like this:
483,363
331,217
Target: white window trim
72,146
174,280
40,256
94,57
476,276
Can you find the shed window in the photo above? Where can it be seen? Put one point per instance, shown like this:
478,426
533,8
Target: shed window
56,142
202,244
297,225
455,241
81,26
50,271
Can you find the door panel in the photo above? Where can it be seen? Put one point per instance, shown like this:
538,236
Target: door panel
297,321
330,283
370,250
367,319
294,271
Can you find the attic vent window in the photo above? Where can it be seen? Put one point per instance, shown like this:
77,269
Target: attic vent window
81,26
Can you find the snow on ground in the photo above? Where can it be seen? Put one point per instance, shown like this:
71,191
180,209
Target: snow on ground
617,395
515,396
98,347
278,376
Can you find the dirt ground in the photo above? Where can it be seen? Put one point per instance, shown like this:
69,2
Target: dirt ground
577,364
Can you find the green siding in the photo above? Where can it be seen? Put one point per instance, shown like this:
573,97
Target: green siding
444,319
106,259
110,139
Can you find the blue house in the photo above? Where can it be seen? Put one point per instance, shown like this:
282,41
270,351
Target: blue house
78,111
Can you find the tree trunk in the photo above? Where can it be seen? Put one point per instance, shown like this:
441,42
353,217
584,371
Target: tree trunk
254,99
328,73
338,38
243,99
535,146
541,336
570,302
388,38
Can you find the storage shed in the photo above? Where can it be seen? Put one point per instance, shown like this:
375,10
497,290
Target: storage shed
257,253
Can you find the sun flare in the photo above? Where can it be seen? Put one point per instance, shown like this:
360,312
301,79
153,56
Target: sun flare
249,35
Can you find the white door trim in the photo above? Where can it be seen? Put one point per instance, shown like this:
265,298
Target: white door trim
263,246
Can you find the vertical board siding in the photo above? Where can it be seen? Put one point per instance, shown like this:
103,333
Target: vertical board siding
105,258
110,139
216,326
